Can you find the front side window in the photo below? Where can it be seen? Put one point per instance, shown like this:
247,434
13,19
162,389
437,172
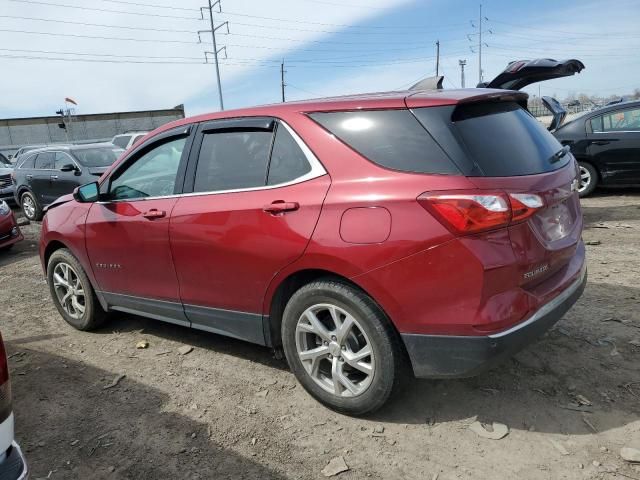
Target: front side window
230,160
621,120
45,160
151,175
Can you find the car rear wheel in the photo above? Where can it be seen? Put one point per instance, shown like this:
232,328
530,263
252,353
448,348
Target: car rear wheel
30,207
588,179
341,347
72,292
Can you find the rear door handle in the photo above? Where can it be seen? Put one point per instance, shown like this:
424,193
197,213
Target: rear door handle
54,177
154,213
601,142
280,206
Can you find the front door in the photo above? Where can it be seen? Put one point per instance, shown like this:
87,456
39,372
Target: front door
256,198
62,183
127,234
614,145
41,179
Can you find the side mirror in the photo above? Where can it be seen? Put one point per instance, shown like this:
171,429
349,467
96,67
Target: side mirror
87,193
69,167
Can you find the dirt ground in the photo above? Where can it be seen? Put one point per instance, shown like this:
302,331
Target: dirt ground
229,409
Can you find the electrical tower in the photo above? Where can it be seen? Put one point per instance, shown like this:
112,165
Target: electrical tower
216,50
437,57
282,84
462,63
480,42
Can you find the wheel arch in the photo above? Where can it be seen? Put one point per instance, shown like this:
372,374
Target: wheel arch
292,283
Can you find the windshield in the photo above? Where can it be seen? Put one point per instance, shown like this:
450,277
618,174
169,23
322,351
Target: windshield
5,161
97,157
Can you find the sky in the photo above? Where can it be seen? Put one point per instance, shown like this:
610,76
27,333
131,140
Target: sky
119,55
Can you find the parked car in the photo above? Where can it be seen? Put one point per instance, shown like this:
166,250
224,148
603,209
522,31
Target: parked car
9,230
606,143
126,140
353,232
7,188
45,174
12,462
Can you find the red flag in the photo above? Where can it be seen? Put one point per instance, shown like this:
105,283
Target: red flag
70,100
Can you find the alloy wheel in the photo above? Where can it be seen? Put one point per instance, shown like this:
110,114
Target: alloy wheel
28,206
585,179
334,350
69,290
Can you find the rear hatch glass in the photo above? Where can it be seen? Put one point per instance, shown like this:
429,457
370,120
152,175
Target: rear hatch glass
498,139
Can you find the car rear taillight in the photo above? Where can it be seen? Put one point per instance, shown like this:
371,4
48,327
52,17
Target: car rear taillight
466,213
5,385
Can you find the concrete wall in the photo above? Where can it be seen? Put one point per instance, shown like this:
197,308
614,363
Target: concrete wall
17,132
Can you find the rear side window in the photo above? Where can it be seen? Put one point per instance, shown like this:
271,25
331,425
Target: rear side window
621,120
122,141
232,160
391,138
502,139
45,160
288,161
28,162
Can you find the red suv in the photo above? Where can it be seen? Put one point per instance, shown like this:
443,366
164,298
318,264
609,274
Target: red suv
442,228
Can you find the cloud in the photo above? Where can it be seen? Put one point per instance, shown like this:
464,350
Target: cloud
38,86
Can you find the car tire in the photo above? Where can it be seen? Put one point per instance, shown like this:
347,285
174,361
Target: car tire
81,308
588,179
322,356
30,207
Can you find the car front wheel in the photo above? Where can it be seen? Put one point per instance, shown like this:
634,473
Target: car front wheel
341,347
30,206
588,179
72,292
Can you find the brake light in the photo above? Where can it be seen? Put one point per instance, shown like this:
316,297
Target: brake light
467,213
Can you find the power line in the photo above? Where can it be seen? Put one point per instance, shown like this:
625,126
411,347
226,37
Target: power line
58,52
29,57
55,34
104,10
69,22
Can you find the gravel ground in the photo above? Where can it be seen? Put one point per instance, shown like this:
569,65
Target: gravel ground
91,405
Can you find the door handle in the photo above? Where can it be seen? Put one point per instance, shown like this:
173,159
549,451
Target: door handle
154,213
601,142
54,177
280,206
29,177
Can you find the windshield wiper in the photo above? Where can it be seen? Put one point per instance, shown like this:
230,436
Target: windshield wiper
559,154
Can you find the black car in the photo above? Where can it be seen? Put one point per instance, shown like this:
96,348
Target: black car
44,174
606,143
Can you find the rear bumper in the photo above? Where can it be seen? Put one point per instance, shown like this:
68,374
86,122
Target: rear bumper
14,465
445,356
9,231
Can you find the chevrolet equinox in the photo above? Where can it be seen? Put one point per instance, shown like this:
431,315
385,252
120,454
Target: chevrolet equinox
429,232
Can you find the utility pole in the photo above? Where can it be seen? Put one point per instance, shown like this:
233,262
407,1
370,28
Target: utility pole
462,63
215,45
437,57
480,48
282,84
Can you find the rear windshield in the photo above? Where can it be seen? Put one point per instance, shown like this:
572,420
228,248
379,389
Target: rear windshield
391,138
500,139
97,157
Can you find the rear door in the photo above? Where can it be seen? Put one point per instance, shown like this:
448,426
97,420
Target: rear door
257,191
614,145
41,177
